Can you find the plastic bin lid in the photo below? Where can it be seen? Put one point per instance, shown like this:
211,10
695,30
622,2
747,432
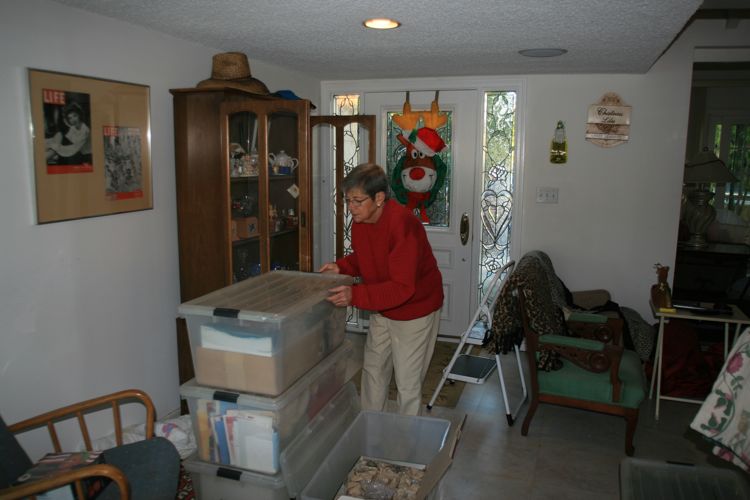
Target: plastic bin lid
191,389
302,457
657,480
268,297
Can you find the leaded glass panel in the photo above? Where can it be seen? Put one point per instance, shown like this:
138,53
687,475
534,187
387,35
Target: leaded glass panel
347,105
498,164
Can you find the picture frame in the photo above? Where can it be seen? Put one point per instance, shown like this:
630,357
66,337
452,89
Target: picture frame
91,146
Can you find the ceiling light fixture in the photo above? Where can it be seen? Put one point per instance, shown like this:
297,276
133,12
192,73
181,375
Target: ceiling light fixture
381,23
542,52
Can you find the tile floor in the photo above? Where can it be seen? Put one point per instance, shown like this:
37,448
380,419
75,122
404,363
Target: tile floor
568,454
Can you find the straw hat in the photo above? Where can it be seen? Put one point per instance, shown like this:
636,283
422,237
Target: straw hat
232,70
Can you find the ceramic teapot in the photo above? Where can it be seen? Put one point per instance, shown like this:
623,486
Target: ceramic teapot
282,163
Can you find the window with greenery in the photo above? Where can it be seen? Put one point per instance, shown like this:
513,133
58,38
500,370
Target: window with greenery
732,144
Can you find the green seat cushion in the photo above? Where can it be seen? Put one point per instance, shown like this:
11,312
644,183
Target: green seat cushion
573,381
588,344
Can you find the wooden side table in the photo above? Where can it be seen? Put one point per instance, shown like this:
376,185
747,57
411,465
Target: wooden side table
737,318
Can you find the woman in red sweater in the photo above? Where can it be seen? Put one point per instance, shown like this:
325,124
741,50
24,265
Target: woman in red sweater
400,284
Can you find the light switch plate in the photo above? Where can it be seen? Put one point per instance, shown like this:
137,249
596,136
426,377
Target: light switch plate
547,195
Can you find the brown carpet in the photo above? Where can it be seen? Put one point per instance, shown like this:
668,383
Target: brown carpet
450,393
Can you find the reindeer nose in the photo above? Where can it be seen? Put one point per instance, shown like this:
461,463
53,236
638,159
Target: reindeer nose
416,173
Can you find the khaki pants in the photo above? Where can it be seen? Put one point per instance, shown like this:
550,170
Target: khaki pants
401,347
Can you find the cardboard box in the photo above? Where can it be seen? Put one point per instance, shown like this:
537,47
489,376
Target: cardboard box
279,322
247,227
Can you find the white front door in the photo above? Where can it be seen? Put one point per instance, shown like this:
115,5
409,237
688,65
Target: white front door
454,254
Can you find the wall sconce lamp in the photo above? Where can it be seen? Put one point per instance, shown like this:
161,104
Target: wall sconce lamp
697,211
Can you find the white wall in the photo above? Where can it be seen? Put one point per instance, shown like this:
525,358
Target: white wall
88,306
619,207
618,210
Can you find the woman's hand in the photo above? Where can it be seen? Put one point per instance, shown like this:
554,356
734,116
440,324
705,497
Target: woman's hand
330,268
340,296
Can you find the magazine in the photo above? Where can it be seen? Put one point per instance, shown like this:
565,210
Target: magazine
123,170
54,463
67,136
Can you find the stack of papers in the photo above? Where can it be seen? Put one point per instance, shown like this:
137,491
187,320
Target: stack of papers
226,339
233,436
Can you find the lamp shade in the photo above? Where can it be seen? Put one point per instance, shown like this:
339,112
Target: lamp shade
706,167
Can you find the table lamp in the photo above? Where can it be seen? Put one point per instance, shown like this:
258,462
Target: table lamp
697,212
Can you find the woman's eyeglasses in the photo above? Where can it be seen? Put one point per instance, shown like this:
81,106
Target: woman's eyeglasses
356,202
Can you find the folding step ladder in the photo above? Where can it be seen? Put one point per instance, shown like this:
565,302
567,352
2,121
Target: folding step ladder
465,367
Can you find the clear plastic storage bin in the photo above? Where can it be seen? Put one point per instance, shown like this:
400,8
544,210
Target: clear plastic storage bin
214,482
642,479
247,430
262,334
386,436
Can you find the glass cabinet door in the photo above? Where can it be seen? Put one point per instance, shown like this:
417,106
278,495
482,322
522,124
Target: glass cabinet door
283,190
266,157
244,165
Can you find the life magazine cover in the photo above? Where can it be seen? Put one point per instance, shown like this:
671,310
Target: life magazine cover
123,171
67,133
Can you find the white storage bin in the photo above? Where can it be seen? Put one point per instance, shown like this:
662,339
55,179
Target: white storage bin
413,440
261,334
249,431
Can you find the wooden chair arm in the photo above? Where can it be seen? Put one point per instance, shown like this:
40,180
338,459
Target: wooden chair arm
605,357
78,410
609,332
74,478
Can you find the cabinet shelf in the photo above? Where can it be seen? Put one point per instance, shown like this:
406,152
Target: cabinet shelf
256,238
254,178
283,232
245,241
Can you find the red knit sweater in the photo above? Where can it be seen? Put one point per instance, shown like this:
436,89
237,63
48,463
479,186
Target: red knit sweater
400,276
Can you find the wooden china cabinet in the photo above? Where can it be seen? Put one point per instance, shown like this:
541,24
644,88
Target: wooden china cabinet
239,214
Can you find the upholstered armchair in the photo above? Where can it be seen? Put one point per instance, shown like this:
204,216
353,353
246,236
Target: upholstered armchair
594,373
146,469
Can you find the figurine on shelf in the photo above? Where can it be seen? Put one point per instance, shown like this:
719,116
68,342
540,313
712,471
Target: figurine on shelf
236,154
661,295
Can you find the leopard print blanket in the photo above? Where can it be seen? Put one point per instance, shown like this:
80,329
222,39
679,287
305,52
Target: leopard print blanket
545,317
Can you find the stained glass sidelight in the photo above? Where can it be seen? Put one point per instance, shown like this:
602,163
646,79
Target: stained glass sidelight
347,105
496,198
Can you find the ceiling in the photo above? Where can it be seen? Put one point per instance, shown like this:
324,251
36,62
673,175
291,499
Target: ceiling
326,39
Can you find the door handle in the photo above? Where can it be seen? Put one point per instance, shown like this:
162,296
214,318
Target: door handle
464,228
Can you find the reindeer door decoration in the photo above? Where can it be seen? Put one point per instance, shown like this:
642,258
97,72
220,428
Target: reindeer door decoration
420,172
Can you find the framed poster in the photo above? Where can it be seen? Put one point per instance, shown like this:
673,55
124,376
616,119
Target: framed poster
92,149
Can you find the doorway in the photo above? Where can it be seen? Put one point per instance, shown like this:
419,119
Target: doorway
470,221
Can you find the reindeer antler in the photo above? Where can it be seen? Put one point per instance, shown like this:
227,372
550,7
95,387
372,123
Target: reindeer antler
435,119
408,119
